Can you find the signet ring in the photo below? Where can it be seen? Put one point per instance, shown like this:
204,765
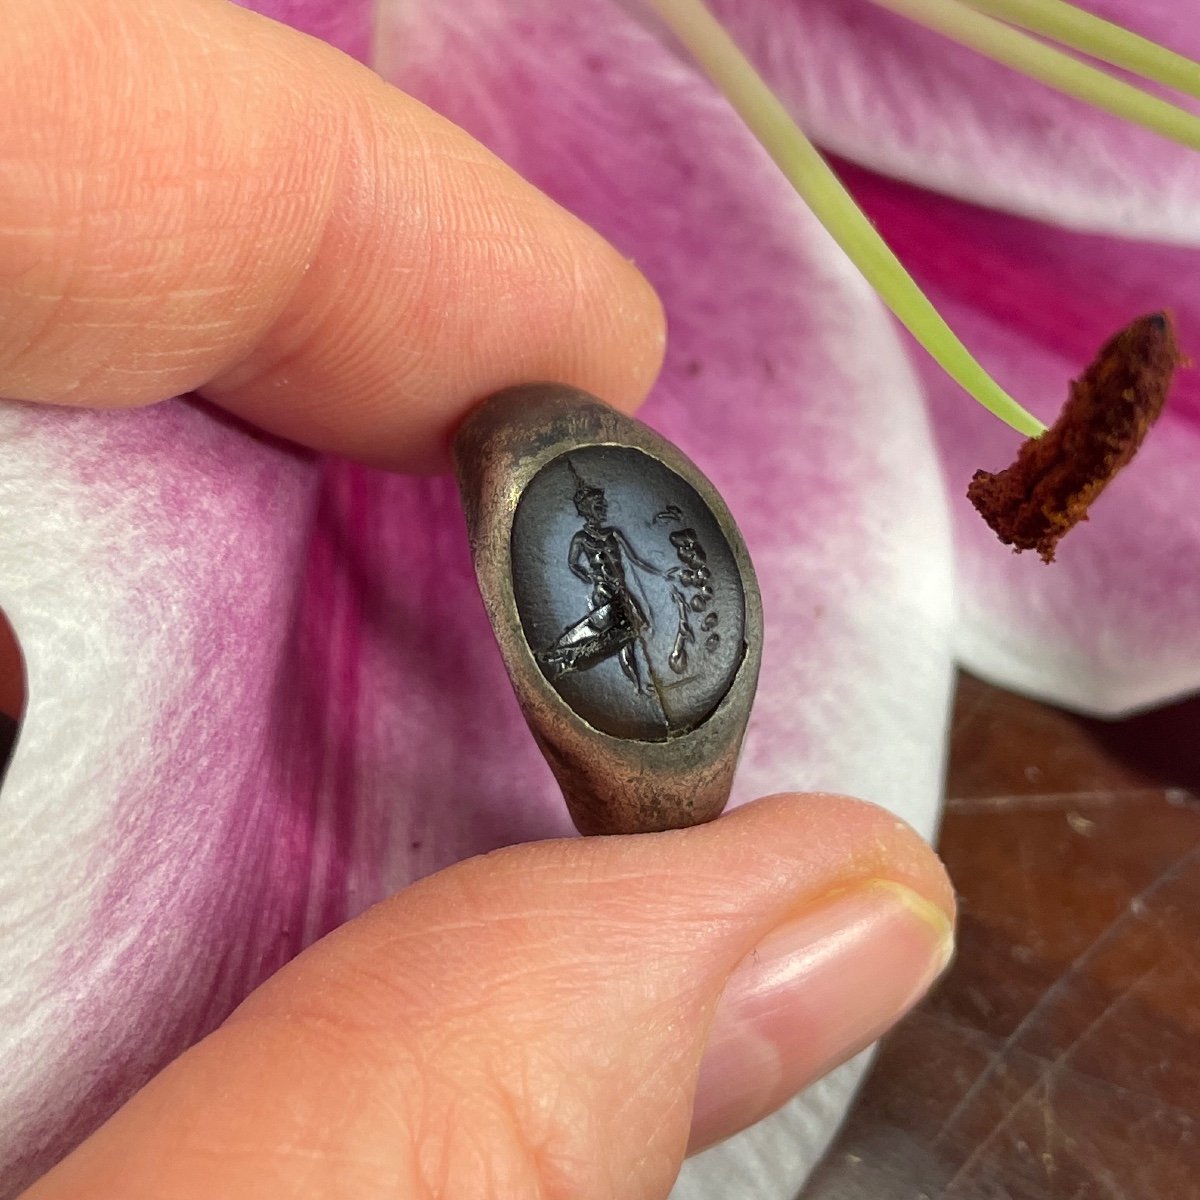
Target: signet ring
623,600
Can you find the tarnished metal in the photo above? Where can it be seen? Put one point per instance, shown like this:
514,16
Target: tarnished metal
623,600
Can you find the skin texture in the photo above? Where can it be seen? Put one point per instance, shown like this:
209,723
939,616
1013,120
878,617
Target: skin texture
343,268
351,271
500,1027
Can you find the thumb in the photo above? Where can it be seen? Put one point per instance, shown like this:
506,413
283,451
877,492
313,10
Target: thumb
534,1023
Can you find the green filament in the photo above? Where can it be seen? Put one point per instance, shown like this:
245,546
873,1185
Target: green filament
1092,35
713,49
1059,70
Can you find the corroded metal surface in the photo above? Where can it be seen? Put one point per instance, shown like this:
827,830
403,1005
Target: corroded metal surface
623,600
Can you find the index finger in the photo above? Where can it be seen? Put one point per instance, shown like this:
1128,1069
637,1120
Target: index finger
196,198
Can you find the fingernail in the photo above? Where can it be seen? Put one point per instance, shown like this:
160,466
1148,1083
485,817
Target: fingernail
814,992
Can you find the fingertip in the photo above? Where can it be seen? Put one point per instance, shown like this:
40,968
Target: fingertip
441,277
848,835
298,241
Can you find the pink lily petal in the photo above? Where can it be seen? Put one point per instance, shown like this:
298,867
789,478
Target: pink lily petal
1114,624
895,97
347,24
145,553
253,675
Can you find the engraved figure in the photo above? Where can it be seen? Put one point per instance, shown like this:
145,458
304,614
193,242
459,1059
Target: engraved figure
597,555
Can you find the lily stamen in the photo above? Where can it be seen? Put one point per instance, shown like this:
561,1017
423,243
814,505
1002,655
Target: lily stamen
971,27
1100,39
1111,408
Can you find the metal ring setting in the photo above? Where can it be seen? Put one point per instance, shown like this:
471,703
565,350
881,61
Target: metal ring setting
623,600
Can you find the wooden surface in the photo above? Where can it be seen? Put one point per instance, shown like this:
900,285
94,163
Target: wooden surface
1060,1058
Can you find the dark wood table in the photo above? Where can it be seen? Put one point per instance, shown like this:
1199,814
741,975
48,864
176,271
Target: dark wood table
1060,1057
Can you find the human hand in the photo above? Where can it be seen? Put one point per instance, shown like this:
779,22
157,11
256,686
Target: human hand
561,1019
306,248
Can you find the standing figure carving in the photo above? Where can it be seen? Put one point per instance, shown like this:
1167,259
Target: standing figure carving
597,556
630,599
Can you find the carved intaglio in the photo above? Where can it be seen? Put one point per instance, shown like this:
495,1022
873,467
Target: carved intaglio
628,594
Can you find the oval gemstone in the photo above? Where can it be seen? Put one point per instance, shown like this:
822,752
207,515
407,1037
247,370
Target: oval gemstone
628,593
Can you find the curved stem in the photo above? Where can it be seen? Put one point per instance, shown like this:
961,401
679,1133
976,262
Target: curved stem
713,49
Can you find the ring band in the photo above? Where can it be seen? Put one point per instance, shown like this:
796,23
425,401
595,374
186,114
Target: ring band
623,600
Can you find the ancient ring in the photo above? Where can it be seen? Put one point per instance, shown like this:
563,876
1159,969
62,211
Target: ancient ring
623,600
